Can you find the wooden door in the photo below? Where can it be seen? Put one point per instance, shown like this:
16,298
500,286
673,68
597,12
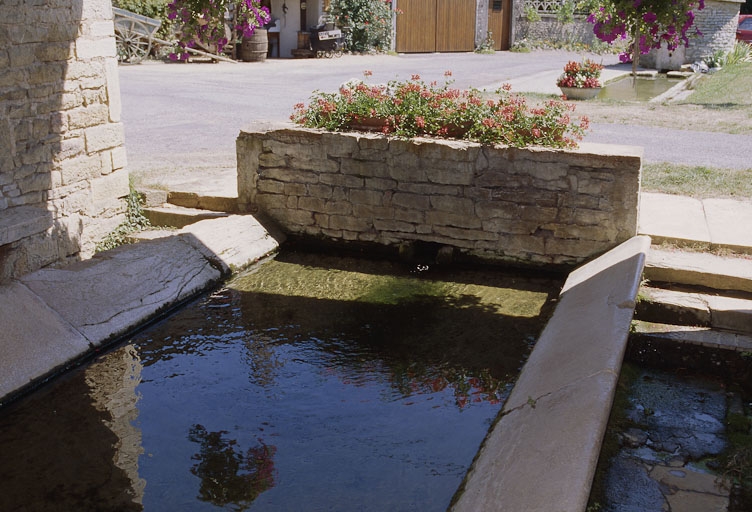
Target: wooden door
416,26
435,26
499,17
455,26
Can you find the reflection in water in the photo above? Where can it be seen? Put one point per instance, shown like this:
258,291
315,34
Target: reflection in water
372,387
229,476
73,446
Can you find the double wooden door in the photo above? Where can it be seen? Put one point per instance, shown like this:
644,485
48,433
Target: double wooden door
426,26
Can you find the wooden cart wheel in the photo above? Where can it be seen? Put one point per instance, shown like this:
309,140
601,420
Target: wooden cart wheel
133,41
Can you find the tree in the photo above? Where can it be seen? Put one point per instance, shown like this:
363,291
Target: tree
649,23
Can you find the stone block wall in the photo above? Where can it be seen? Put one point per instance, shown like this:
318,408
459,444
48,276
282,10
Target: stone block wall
531,206
62,160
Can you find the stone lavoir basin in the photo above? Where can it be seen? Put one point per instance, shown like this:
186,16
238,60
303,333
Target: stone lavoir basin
310,383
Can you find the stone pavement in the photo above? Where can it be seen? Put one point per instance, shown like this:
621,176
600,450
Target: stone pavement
708,224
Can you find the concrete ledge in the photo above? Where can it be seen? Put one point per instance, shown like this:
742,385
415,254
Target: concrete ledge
23,221
53,317
542,453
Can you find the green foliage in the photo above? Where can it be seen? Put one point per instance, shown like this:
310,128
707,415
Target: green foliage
488,45
134,221
413,108
566,10
156,9
741,52
368,23
531,13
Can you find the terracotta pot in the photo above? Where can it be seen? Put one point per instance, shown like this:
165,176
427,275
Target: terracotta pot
580,93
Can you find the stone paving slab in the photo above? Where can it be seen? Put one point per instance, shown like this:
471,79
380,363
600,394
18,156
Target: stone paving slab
729,222
34,339
118,290
673,218
52,317
545,446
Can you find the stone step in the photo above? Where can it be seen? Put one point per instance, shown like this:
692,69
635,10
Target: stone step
723,273
204,202
696,309
178,216
691,335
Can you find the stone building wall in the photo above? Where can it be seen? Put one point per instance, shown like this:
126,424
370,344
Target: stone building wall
62,160
718,23
531,206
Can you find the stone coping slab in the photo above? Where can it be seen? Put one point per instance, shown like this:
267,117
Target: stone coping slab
53,317
542,452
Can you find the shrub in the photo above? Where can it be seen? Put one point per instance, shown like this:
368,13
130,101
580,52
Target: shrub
156,9
369,23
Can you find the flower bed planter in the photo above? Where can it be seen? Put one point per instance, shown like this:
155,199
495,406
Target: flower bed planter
525,206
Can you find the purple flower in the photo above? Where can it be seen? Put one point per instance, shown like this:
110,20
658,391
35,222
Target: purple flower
649,17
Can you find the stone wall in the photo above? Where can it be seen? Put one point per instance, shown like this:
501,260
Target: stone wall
522,206
717,22
62,160
549,29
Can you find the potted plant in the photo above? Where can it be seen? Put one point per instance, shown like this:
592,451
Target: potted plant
580,80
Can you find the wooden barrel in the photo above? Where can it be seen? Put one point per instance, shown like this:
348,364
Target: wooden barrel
304,40
254,48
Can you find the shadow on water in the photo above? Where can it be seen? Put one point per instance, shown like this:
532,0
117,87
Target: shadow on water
312,383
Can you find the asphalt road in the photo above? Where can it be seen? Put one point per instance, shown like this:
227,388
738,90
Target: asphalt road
181,120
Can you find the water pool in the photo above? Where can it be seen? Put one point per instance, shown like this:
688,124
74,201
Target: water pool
638,89
312,383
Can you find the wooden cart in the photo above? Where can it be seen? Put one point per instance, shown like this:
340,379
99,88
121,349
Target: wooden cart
134,35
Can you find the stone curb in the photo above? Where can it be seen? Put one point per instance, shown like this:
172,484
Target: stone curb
542,452
53,317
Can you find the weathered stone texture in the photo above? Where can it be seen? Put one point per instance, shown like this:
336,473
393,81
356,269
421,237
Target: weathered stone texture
59,119
530,206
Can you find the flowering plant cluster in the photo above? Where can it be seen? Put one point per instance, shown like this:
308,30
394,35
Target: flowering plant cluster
209,24
648,22
413,108
583,75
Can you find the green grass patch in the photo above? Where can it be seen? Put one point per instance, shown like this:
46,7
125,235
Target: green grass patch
697,181
731,87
